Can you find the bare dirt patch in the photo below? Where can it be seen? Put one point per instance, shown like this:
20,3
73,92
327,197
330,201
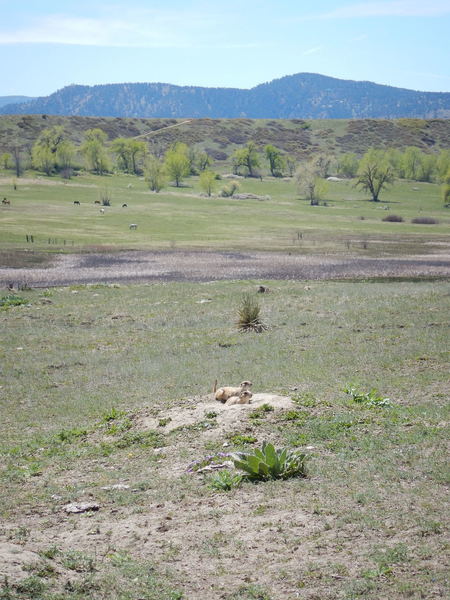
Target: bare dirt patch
147,266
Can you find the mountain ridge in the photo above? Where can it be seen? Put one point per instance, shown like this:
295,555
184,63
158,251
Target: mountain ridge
302,96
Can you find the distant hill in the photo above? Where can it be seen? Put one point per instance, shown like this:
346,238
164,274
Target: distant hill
5,100
220,137
301,96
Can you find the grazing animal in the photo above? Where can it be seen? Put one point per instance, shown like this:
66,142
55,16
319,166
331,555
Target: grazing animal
76,202
223,393
133,226
124,205
102,211
5,201
245,397
97,202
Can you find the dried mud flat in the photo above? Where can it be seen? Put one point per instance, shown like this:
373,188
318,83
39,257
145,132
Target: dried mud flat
147,266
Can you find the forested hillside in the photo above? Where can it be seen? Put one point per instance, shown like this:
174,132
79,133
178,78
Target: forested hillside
301,96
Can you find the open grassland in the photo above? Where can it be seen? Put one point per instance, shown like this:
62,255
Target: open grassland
84,370
184,218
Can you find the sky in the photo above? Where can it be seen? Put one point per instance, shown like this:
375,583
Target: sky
48,44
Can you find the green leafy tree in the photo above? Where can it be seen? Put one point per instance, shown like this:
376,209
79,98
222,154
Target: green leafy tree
208,181
65,156
247,158
445,189
348,165
291,165
177,163
204,161
6,160
43,159
155,174
94,151
138,151
411,161
443,164
374,173
45,149
309,184
275,158
119,147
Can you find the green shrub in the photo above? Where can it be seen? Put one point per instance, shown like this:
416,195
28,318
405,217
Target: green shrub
269,463
248,315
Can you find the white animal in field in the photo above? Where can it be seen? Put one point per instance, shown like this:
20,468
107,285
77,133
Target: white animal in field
223,393
102,211
133,226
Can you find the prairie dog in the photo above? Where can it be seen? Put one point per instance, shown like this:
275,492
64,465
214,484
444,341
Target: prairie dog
224,393
244,397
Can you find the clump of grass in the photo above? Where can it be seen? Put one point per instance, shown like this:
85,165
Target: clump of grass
12,300
424,221
249,315
393,219
261,411
239,439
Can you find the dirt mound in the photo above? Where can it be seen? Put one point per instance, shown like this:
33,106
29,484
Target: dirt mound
227,417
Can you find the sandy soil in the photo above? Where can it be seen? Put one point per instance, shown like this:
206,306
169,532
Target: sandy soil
146,266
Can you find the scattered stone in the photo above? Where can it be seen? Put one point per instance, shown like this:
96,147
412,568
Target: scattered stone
81,507
116,486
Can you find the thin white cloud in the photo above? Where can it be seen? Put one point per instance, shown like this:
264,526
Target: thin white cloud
312,50
393,8
146,29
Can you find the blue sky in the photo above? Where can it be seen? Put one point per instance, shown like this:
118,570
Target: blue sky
47,44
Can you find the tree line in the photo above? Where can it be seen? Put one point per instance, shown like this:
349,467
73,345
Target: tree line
53,153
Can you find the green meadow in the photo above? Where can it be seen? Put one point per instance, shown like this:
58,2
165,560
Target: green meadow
182,217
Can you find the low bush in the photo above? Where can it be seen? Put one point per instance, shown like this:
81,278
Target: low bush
424,221
393,219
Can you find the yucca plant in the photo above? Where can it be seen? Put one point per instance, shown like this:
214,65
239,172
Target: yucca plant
248,315
270,463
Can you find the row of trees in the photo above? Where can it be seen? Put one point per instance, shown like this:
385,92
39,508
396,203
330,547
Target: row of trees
54,153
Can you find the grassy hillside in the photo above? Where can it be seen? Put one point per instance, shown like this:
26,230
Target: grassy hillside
219,137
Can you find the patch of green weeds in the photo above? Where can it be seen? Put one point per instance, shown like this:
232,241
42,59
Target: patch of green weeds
70,435
51,552
163,422
211,415
306,399
241,439
261,411
41,569
78,561
144,439
371,398
249,592
293,415
12,300
112,415
224,481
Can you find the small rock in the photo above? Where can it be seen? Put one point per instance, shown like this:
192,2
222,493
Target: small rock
81,507
116,486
